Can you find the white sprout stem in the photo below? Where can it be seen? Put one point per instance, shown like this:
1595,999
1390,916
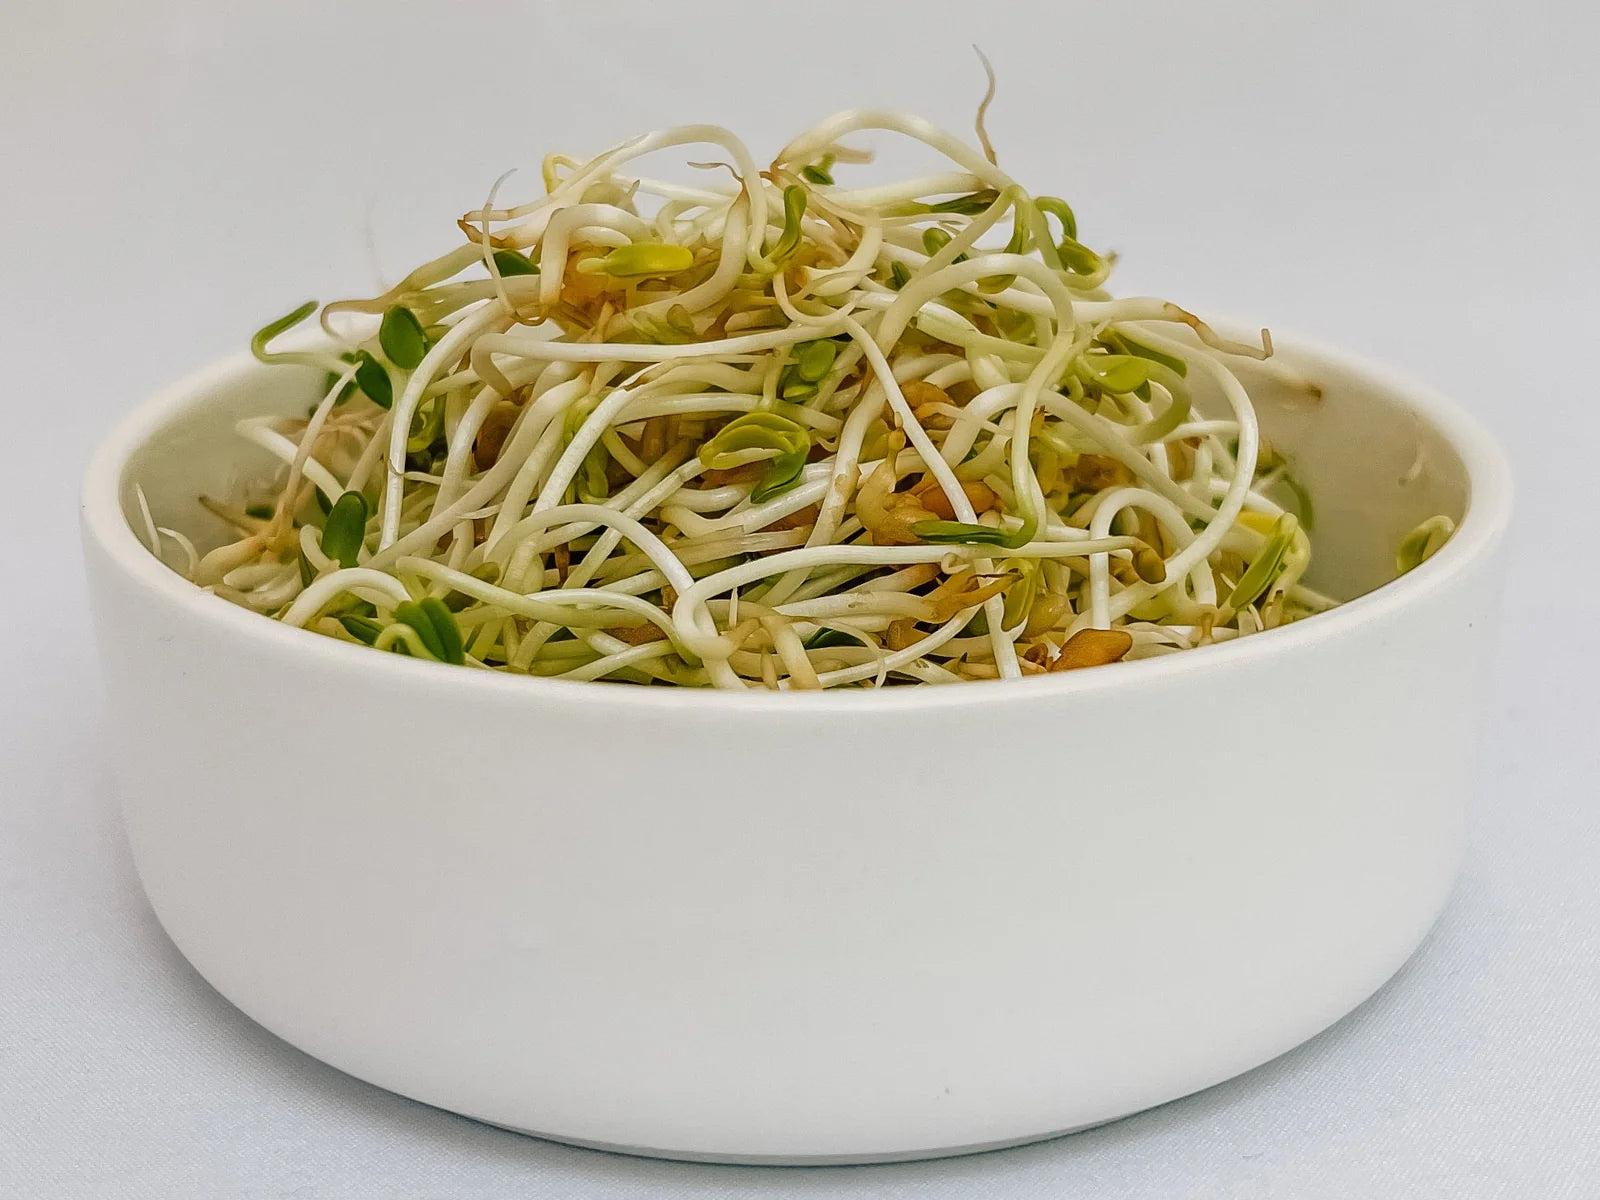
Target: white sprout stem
313,431
259,431
449,348
355,580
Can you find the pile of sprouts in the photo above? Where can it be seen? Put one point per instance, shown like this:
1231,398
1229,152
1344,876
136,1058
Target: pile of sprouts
767,429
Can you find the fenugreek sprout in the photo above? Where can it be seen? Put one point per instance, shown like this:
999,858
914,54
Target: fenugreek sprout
344,529
1121,373
956,533
819,171
695,436
435,626
509,263
264,336
969,205
767,437
1266,566
363,629
427,423
1423,542
373,379
401,336
639,260
794,208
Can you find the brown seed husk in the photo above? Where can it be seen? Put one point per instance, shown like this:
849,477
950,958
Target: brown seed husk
1093,648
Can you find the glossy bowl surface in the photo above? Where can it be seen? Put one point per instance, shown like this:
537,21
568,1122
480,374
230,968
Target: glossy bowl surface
839,927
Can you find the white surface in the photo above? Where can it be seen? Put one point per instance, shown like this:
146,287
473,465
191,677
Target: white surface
1414,182
623,952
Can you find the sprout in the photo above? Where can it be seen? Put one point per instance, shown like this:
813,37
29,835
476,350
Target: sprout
1061,211
761,437
435,626
1128,344
813,360
331,378
819,171
825,637
969,205
263,336
363,629
794,208
509,263
1121,373
957,533
1267,565
345,528
373,379
401,336
639,260
1423,542
427,423
685,436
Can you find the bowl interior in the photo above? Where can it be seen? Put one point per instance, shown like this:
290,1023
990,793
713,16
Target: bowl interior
1373,461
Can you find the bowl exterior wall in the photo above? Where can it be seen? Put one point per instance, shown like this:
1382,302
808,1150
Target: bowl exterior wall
794,930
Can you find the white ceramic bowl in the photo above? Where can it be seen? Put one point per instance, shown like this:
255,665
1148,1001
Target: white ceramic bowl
808,927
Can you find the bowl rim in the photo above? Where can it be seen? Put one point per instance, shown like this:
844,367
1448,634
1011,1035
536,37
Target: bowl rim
1483,524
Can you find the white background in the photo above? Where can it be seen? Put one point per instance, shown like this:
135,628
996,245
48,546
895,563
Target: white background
1416,182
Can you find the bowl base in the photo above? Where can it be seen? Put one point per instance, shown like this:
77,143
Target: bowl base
807,1160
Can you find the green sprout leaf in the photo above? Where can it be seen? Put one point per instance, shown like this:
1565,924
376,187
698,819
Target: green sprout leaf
1118,373
761,437
794,208
955,533
899,275
1020,597
363,629
1058,208
1304,509
372,377
435,626
825,637
1268,565
935,239
401,336
261,512
820,171
509,263
1078,258
332,377
264,335
969,205
813,360
782,475
488,572
640,259
1128,344
427,423
595,485
1423,542
345,529
675,328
